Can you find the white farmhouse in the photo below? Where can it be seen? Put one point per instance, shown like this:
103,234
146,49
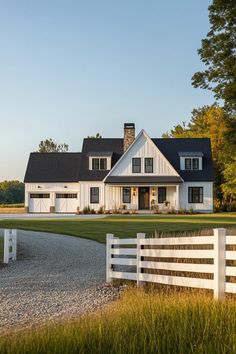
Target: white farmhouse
133,173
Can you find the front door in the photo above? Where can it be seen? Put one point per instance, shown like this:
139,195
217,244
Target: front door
143,198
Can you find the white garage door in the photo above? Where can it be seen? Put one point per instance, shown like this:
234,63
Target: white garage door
39,203
66,203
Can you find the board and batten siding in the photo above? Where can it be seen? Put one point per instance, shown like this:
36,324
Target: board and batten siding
85,195
51,188
142,148
206,206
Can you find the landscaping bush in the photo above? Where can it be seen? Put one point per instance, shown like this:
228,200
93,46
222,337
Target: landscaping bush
19,205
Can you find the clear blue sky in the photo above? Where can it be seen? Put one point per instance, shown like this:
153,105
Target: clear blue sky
72,68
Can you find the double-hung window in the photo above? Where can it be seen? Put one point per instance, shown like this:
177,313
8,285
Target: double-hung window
195,194
94,195
161,195
136,165
99,163
191,163
148,164
126,195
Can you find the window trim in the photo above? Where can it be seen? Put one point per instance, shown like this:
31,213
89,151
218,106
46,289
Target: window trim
158,199
92,195
137,159
39,195
66,195
191,162
145,166
191,195
93,162
129,195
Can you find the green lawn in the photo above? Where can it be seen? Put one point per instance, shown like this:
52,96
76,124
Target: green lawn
125,225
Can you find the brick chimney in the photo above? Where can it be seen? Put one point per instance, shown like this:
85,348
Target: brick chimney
129,135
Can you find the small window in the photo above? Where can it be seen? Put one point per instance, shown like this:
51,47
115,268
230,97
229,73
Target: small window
195,194
188,164
195,164
94,195
148,161
126,195
136,165
95,164
66,195
39,196
161,195
103,164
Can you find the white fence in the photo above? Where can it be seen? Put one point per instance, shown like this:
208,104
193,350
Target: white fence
10,242
216,249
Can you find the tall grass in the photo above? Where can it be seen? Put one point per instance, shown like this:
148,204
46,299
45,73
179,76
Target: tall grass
139,323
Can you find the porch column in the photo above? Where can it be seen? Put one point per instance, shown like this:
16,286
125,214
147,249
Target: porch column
177,198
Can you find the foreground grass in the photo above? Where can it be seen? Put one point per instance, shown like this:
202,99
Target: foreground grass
124,225
139,323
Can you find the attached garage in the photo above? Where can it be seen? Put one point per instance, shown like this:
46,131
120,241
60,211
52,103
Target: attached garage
66,202
39,203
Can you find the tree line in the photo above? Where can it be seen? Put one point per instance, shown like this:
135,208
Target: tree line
12,192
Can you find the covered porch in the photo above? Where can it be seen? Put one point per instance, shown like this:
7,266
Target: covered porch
143,198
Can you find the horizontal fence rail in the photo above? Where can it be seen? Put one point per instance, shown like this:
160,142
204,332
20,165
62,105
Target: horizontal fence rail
197,261
10,245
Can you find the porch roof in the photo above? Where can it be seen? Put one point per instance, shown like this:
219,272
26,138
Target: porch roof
143,179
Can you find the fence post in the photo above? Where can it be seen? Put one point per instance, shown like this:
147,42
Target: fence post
138,271
109,237
6,246
219,263
14,244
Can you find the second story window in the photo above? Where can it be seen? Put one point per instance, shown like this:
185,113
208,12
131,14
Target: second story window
136,165
99,164
148,162
191,163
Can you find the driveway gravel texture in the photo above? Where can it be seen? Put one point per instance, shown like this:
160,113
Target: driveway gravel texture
54,277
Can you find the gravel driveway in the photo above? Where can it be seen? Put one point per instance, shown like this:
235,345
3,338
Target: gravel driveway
55,276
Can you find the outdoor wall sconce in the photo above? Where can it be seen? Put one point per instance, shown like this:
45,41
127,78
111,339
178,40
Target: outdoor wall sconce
134,192
65,187
39,186
153,192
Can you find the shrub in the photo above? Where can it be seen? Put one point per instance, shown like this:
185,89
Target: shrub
87,210
101,210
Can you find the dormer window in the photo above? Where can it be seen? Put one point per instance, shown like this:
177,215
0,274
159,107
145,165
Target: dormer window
191,160
99,163
191,163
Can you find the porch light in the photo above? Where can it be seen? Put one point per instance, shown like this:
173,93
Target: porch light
39,186
153,192
65,187
134,192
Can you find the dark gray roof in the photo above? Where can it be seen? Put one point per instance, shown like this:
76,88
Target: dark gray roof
191,153
143,179
53,167
171,147
74,167
98,145
100,153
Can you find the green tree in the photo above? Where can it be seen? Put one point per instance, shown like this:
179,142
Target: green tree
11,192
214,123
48,145
229,184
219,55
97,136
